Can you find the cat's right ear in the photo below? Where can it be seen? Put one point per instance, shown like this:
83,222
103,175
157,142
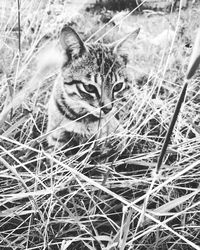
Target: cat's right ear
121,46
71,43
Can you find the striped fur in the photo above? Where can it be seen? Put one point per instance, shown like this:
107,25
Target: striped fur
85,89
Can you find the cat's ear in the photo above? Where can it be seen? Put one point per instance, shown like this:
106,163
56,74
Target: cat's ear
121,47
71,43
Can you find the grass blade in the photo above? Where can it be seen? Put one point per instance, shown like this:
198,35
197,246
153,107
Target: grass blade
192,67
171,127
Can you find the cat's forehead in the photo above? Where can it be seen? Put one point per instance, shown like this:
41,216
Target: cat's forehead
104,58
99,59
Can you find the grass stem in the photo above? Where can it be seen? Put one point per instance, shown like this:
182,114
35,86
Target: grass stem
19,24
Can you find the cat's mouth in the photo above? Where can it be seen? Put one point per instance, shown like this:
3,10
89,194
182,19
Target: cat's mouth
101,112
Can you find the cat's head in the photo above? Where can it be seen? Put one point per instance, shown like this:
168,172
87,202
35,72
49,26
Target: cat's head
93,74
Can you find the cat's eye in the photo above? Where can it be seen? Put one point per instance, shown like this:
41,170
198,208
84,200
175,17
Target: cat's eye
90,88
118,86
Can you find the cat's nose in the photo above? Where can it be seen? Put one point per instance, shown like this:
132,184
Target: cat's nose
107,109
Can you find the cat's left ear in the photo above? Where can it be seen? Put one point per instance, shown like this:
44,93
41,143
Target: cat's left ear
71,43
120,47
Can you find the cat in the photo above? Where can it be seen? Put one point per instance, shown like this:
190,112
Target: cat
83,96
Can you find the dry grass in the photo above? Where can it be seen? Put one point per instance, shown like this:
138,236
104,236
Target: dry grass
94,198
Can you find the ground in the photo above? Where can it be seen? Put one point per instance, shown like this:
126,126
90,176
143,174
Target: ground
90,199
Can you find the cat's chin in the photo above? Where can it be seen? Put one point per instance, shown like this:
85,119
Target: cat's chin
98,115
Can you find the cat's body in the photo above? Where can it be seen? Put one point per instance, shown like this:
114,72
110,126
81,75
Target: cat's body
82,99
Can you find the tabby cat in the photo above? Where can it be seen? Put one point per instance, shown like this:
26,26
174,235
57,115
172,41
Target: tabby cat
81,103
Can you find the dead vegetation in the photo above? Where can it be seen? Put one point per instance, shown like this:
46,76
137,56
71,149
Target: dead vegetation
94,196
